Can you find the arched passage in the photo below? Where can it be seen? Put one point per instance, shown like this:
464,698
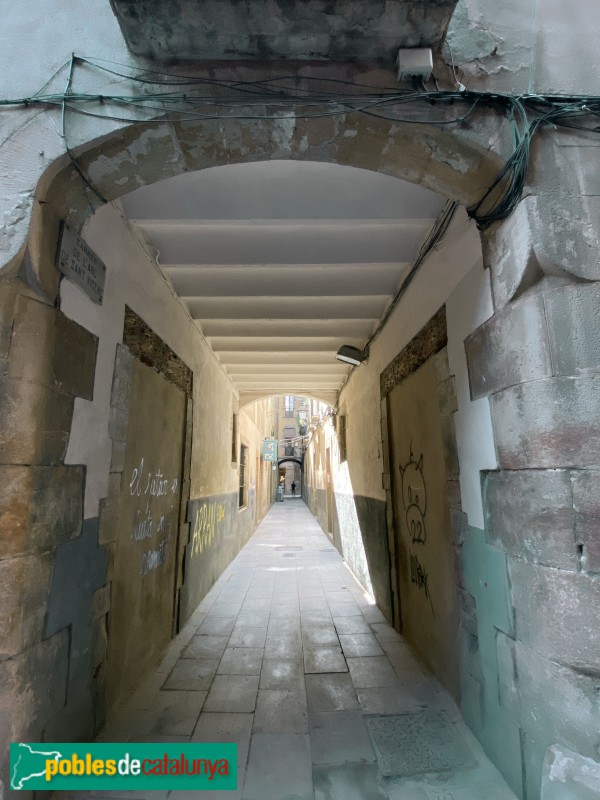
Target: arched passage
449,163
453,163
297,478
290,458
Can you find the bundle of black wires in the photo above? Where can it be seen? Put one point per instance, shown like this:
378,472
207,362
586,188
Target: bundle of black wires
170,96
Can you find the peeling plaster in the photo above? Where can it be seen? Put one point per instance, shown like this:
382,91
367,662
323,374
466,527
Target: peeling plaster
283,132
13,217
142,147
469,40
457,162
566,767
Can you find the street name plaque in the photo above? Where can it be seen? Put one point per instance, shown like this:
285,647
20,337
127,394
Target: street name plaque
78,262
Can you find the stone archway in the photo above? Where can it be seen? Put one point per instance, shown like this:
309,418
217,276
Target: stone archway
299,462
452,163
290,458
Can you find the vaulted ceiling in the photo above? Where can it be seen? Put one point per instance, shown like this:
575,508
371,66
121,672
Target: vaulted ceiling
282,262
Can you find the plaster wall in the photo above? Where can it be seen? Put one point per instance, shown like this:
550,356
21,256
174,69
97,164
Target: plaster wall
468,307
255,426
452,274
134,280
535,46
31,139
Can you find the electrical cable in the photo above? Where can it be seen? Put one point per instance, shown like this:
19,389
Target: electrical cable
435,236
313,97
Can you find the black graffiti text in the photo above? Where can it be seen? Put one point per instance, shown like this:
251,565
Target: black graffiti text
420,577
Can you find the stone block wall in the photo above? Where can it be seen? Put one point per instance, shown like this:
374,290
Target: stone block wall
538,361
46,361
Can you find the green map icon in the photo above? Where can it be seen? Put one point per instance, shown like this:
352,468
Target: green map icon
28,763
124,766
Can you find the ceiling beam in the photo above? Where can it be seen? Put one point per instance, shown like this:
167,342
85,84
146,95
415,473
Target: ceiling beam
233,356
268,280
296,367
294,307
340,328
281,344
287,224
285,242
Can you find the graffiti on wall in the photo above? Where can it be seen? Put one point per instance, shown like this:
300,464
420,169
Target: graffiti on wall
420,577
414,501
154,513
208,516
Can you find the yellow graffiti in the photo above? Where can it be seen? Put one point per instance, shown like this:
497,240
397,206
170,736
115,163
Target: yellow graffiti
208,516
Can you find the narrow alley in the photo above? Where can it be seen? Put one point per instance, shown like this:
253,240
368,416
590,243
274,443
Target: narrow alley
288,657
300,396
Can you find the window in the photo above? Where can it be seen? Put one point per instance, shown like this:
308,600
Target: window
234,439
288,405
342,437
243,474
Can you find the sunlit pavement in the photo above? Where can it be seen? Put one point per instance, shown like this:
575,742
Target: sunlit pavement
289,658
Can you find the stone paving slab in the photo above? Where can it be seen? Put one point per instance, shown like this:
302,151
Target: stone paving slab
281,711
192,674
372,672
340,737
206,647
324,659
217,626
224,610
279,767
332,692
171,713
235,693
241,661
354,624
394,700
281,673
251,637
323,635
226,727
350,782
360,644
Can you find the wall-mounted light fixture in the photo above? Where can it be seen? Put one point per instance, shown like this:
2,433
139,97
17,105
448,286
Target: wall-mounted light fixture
351,355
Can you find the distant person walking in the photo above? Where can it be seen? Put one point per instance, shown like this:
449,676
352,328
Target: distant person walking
293,489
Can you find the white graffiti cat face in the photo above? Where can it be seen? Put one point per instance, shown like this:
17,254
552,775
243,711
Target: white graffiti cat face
414,498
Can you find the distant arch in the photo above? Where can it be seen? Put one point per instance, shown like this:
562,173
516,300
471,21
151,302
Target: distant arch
283,460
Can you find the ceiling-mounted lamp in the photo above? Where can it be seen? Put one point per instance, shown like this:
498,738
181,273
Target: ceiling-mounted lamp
351,355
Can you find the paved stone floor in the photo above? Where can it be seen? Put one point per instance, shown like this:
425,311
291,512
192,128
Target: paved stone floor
288,657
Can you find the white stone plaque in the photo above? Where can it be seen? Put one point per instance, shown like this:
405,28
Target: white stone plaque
78,262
